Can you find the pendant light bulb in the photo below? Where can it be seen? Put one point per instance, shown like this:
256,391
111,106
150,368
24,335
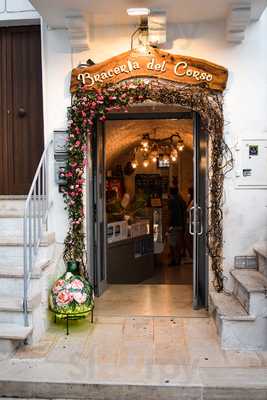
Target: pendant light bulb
145,142
134,164
180,146
145,163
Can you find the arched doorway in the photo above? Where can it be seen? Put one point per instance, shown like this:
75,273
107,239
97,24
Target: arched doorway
119,262
201,94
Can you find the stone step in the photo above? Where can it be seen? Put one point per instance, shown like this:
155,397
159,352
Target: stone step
11,336
14,332
17,271
16,239
237,329
15,224
250,288
11,279
12,204
12,256
51,381
11,308
15,304
260,249
11,249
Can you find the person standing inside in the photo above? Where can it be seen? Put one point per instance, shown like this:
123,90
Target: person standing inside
177,212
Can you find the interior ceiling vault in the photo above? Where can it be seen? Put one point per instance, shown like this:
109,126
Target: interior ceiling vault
122,137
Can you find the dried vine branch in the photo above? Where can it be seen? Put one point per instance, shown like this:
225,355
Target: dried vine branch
90,104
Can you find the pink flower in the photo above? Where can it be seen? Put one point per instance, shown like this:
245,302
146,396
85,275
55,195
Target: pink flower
77,143
112,97
102,119
64,297
84,147
77,284
83,114
80,298
59,284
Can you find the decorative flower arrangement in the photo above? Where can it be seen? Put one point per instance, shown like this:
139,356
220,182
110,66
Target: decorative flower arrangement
71,295
90,103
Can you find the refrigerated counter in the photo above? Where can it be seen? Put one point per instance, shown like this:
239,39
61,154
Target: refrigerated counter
130,260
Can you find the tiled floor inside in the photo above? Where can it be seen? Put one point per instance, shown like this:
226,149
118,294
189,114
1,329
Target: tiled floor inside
148,300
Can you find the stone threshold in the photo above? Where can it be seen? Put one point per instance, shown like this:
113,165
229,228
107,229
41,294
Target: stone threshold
195,384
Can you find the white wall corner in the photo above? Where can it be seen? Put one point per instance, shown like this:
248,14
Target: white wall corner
78,31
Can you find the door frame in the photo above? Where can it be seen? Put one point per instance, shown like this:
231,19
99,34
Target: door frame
93,242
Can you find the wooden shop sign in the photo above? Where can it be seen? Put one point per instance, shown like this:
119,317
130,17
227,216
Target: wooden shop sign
154,64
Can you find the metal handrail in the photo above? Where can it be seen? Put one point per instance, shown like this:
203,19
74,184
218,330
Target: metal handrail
35,217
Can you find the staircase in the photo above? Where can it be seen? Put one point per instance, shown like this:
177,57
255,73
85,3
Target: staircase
13,331
241,317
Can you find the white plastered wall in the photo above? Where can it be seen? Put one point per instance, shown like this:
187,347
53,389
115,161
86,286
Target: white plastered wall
245,212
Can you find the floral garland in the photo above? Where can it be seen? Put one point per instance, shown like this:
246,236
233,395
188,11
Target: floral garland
90,104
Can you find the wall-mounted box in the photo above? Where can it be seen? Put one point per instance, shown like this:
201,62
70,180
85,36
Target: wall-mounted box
251,164
59,168
60,148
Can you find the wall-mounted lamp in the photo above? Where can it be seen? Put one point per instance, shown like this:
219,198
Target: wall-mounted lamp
152,28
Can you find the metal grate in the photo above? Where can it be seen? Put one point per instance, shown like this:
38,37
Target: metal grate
247,262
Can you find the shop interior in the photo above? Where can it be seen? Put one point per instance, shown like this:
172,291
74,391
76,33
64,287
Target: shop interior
147,163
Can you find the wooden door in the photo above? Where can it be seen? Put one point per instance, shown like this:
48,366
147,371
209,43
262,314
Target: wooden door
21,108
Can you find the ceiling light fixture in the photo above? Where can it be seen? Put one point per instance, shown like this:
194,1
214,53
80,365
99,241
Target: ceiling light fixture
152,149
138,11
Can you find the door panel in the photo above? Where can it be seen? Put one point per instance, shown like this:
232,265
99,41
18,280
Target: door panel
23,131
100,262
3,111
200,268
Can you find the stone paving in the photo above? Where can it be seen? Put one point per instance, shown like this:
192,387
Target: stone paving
132,358
138,344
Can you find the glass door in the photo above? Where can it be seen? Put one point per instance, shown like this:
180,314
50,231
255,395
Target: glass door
99,252
198,216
